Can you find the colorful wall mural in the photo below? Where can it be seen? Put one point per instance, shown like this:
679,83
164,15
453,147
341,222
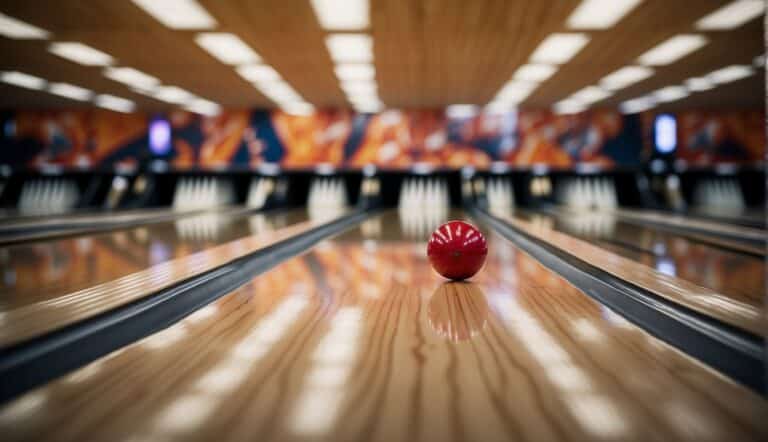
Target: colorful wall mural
391,139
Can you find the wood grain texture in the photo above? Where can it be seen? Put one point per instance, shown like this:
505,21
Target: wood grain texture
359,340
426,52
28,312
738,276
747,316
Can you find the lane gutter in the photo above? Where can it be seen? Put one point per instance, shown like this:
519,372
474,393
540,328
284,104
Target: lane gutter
736,353
26,365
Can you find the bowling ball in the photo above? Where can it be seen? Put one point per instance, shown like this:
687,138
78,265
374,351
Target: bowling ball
457,250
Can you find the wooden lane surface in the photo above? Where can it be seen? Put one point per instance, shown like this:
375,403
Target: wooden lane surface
738,276
359,340
747,316
24,320
41,271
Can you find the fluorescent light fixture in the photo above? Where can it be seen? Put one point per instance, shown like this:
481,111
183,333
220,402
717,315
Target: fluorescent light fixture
362,100
258,73
637,105
297,108
730,73
364,87
600,14
569,106
625,76
498,107
227,48
350,48
515,91
355,71
279,91
22,80
369,108
115,103
732,15
342,15
203,107
172,94
672,49
461,111
590,94
131,77
697,84
13,28
559,48
534,72
80,53
178,14
670,93
70,91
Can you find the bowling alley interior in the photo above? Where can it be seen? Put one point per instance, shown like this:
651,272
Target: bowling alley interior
383,220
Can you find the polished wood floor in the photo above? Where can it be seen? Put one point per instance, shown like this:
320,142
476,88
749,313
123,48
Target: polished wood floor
358,339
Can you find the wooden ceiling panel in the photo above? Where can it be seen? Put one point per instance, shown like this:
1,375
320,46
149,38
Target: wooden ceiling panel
427,52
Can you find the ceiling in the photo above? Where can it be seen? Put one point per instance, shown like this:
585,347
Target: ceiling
427,53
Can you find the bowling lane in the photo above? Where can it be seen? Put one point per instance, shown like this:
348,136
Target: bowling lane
738,276
358,339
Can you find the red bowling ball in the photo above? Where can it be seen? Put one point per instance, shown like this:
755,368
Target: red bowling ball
457,250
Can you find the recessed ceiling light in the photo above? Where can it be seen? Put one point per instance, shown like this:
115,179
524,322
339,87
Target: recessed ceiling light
569,106
131,77
672,49
590,94
70,91
172,94
625,76
600,14
515,91
352,87
80,53
730,73
258,73
732,15
227,48
350,48
279,92
203,107
559,48
297,108
637,105
355,71
178,14
13,28
670,93
697,84
498,107
115,103
342,15
461,111
369,108
22,80
534,72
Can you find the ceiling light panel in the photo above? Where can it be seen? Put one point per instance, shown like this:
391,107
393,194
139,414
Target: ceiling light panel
698,84
131,77
625,76
672,50
80,53
258,73
670,93
178,14
569,106
730,73
350,48
22,80
637,105
172,94
203,107
70,91
355,71
13,28
342,15
534,72
115,103
559,48
600,14
732,15
590,94
227,48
